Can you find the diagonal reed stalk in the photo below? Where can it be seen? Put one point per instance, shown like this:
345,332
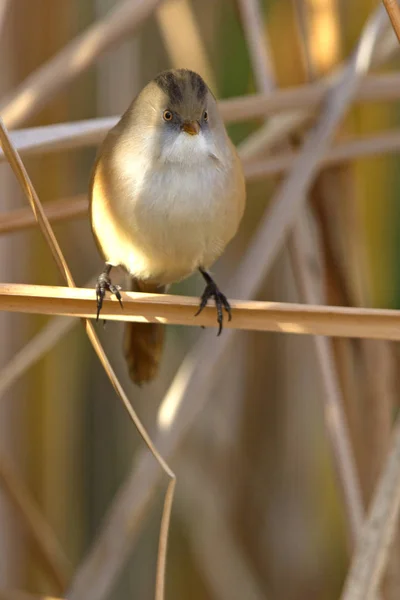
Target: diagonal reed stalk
393,10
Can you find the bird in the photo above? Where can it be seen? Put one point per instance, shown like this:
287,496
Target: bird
166,195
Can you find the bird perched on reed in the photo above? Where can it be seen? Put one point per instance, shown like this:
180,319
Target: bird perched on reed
167,194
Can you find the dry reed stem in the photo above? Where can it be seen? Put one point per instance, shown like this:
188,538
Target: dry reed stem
303,26
49,550
381,400
27,187
51,138
393,10
335,418
283,317
62,136
371,555
187,395
73,59
258,45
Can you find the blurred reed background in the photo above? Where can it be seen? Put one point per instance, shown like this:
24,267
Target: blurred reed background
258,511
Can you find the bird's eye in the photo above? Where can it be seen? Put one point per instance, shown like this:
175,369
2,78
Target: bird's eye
205,115
167,116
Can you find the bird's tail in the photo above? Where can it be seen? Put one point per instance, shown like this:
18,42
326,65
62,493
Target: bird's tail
143,342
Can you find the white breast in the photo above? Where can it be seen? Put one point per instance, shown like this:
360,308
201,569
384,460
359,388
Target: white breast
164,220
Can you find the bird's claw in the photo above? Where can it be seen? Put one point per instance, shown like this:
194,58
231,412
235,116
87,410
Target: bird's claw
102,286
221,301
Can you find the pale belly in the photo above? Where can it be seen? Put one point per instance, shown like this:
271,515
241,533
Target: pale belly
177,221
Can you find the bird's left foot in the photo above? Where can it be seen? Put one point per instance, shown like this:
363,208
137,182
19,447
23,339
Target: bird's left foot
221,301
104,284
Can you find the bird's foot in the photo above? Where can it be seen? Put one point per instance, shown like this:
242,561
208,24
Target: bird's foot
102,286
221,301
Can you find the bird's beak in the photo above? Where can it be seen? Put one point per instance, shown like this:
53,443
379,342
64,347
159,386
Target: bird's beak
191,127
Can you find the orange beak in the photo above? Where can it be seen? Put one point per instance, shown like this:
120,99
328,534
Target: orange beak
191,127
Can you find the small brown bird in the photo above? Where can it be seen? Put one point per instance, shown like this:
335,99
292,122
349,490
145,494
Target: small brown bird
166,196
